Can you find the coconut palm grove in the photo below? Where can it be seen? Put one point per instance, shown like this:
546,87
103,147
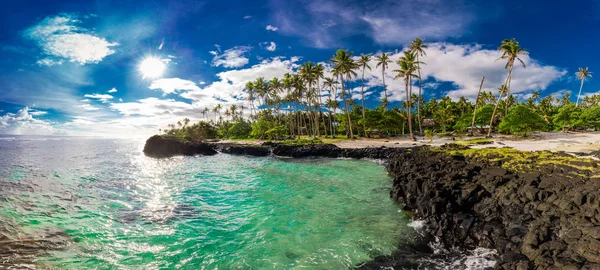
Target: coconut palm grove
317,103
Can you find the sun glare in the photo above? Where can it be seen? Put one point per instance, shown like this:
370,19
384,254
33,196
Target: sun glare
152,67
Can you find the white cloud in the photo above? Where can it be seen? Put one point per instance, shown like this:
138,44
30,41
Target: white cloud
231,58
60,37
102,97
37,113
173,85
269,46
113,90
23,122
201,82
88,107
272,28
155,107
247,17
49,62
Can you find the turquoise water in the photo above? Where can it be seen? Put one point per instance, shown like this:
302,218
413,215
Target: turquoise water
91,203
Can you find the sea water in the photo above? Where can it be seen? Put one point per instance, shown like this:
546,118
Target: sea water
100,203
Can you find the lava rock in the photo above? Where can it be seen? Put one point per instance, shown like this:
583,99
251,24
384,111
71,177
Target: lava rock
162,146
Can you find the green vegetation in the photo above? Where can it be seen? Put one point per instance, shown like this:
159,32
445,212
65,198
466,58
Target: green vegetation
306,103
525,161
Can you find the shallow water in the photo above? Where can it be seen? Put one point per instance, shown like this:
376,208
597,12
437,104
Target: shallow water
100,203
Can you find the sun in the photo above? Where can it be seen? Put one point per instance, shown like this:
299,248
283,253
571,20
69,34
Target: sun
152,67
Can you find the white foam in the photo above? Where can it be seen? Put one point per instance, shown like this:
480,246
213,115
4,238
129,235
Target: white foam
417,224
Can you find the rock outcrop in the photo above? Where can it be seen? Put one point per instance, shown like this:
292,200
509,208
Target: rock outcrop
162,146
547,218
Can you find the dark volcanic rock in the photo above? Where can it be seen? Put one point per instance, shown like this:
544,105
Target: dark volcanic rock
309,150
243,149
160,146
533,220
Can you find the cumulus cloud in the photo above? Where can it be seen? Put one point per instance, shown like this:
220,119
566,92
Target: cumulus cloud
155,107
173,85
269,46
231,58
60,38
102,97
24,122
113,90
272,28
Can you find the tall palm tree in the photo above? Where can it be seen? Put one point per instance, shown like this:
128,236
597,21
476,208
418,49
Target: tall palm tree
511,50
477,102
308,73
319,74
363,62
250,98
330,84
383,60
418,48
582,74
536,95
343,67
407,70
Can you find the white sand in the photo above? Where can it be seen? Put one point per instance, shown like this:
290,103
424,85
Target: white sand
552,141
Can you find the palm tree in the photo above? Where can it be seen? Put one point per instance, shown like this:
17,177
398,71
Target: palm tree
251,91
477,101
217,110
407,70
536,95
511,50
233,110
330,84
319,74
343,67
363,62
186,121
581,75
383,60
308,73
418,48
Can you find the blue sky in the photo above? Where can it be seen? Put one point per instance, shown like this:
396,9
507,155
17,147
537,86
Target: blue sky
74,66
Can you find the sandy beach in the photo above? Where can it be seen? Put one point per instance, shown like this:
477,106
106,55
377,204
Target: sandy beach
552,141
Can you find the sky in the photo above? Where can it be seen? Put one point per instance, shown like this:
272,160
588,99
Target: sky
127,68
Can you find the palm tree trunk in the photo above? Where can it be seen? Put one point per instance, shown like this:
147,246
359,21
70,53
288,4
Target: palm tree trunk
407,82
362,92
349,127
322,114
580,87
475,109
498,102
384,88
419,97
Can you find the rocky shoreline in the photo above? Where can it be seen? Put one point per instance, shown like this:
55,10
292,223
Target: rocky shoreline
544,218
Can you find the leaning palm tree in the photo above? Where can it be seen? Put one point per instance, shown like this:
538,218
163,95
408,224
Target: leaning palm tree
363,62
407,70
418,48
511,50
343,67
582,74
383,60
250,89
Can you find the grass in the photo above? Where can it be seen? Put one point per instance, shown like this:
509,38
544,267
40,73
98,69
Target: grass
476,141
526,161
